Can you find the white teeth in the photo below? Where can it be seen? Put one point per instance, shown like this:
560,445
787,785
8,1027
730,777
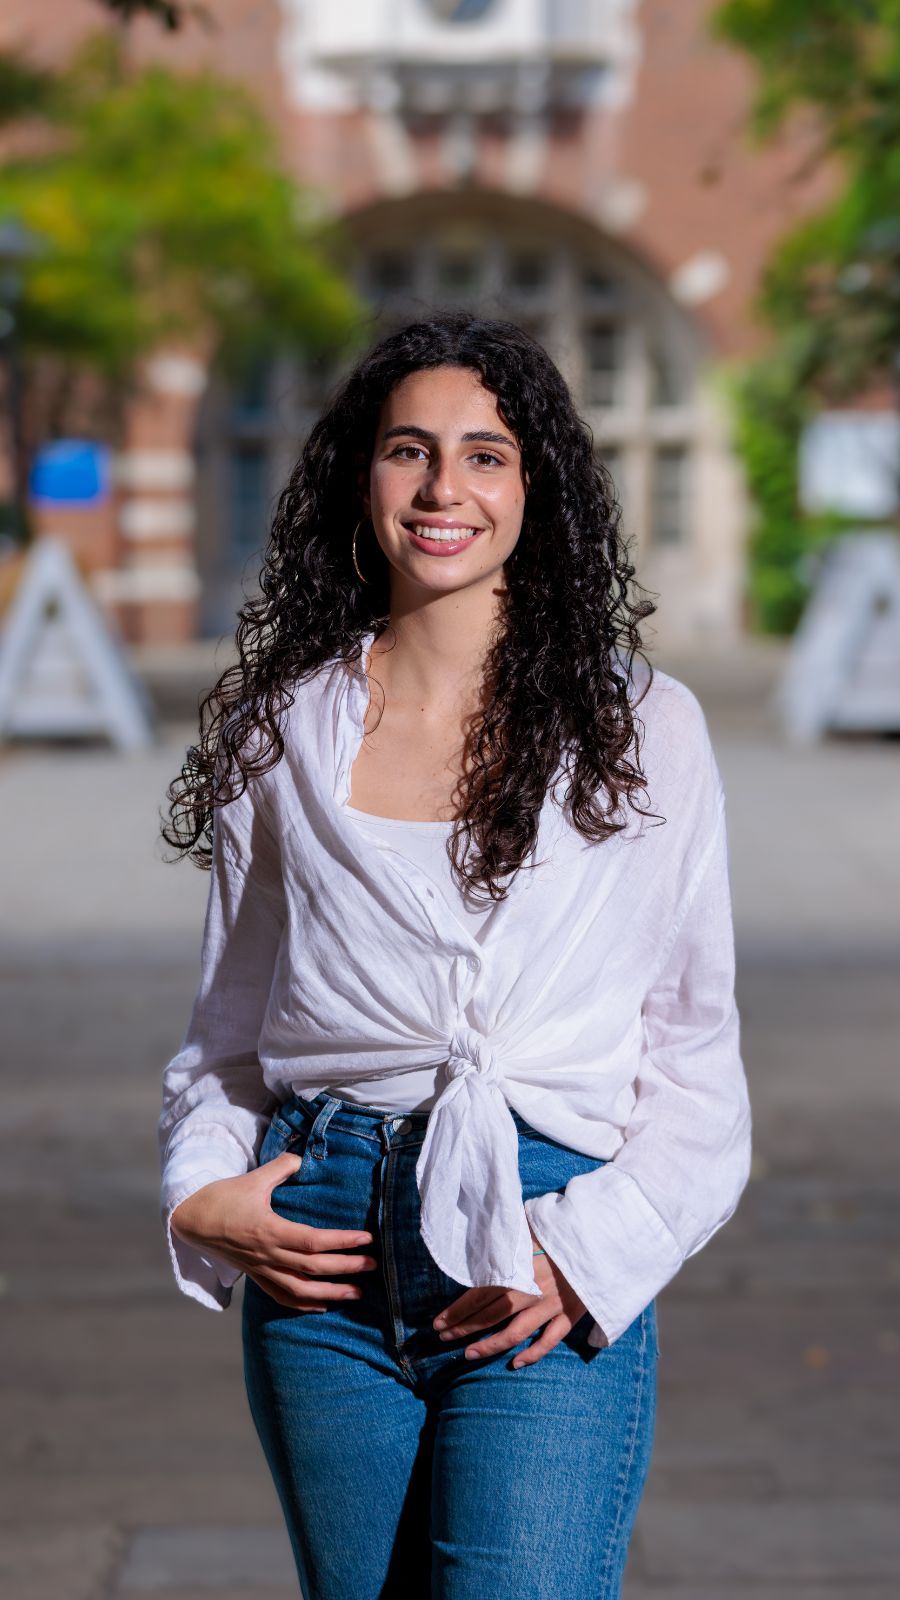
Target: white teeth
443,535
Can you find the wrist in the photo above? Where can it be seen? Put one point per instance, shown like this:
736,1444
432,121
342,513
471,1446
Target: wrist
184,1218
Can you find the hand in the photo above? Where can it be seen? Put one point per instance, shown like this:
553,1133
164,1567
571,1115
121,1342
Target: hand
291,1261
559,1307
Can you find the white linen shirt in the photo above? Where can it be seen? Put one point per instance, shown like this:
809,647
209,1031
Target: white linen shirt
599,1003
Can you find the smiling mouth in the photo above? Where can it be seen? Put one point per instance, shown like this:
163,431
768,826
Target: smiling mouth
441,535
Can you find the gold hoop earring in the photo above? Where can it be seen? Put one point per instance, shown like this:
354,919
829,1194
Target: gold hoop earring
362,579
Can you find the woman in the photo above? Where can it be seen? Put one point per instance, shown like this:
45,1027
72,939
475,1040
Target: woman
463,1068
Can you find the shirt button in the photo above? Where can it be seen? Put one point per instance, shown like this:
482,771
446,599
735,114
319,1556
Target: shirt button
473,963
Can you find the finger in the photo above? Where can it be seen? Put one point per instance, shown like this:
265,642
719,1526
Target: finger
555,1331
553,1334
291,1289
321,1265
521,1326
278,1170
283,1289
470,1307
474,1324
303,1236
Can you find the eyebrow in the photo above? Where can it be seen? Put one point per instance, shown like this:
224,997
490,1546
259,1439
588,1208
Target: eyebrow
424,433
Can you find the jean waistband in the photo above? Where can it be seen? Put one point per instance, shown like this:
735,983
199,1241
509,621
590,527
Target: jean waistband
372,1114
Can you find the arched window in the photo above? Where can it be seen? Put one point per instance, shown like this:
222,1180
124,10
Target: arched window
629,353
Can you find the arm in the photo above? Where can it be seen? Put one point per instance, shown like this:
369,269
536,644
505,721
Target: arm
215,1104
619,1234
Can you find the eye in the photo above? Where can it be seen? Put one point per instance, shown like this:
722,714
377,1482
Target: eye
477,455
401,447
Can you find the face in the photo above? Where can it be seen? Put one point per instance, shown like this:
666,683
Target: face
446,494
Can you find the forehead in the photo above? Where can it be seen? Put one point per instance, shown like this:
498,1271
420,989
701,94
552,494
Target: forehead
444,399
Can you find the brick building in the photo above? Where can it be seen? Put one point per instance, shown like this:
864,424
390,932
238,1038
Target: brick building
581,165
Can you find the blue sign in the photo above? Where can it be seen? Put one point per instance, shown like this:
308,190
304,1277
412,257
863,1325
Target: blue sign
70,472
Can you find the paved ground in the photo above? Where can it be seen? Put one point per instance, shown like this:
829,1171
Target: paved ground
130,1465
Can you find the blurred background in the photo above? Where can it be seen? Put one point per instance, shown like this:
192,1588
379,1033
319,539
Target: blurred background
207,211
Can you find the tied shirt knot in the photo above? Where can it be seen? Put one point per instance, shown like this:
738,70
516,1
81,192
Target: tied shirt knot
471,1151
470,1053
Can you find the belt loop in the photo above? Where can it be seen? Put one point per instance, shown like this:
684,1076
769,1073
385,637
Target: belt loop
316,1143
385,1128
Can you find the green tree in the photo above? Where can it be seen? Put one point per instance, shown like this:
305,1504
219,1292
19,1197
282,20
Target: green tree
164,213
831,291
25,90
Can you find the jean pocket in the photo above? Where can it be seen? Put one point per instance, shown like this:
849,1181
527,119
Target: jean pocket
281,1136
577,1337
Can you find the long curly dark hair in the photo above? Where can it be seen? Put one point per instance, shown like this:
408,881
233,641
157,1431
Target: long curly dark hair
558,672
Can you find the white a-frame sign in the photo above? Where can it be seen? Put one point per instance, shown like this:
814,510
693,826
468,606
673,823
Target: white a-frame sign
843,671
62,672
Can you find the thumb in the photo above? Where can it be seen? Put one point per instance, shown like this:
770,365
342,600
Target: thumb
279,1168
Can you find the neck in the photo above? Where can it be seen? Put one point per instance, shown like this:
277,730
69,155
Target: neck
433,656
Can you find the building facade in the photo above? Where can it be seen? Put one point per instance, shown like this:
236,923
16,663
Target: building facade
582,166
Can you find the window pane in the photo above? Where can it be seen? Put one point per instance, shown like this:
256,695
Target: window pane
248,501
459,274
527,271
666,388
669,499
252,387
597,284
601,359
461,10
390,272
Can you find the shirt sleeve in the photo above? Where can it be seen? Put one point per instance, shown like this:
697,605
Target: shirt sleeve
621,1232
215,1104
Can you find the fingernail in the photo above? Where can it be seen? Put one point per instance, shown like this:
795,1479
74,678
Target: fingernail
440,1322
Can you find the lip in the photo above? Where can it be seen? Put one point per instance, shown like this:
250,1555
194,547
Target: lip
443,547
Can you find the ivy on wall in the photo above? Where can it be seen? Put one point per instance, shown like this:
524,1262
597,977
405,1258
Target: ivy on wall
831,290
770,407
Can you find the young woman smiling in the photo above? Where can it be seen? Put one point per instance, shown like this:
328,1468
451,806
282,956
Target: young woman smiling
462,1074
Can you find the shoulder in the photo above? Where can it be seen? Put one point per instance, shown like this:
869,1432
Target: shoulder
245,822
673,739
308,725
668,709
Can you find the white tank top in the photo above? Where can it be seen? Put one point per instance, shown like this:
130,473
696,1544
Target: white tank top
425,844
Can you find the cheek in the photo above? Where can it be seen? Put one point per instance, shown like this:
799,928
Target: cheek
388,484
507,497
507,508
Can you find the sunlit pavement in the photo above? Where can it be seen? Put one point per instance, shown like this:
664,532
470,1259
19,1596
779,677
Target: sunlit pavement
130,1462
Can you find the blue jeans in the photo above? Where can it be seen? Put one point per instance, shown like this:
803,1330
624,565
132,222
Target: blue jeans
401,1467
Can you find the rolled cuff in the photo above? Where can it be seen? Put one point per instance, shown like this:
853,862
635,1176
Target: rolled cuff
202,1276
610,1244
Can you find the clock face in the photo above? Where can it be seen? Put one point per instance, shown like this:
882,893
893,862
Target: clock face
460,10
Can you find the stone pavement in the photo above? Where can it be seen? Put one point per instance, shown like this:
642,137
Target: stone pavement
130,1464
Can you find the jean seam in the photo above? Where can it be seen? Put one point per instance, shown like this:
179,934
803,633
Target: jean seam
391,1276
614,1540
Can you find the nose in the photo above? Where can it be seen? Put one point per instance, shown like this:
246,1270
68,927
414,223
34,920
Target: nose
440,483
